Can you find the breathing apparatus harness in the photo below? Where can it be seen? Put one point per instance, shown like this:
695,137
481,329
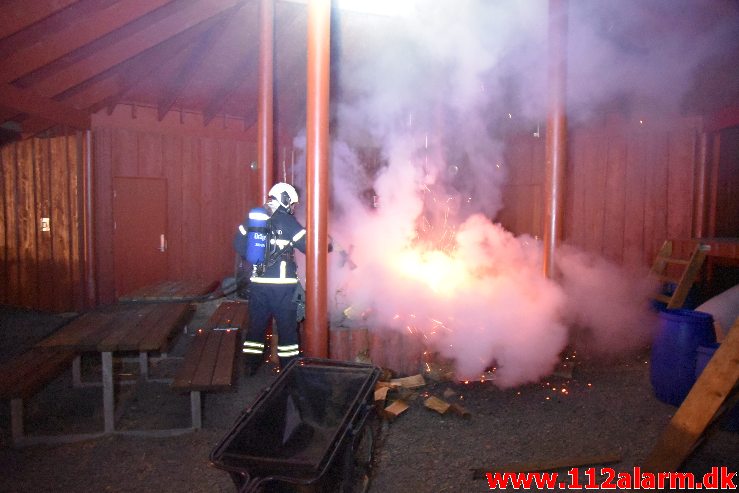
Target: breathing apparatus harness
274,252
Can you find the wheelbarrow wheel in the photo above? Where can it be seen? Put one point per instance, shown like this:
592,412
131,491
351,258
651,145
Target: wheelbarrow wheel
359,467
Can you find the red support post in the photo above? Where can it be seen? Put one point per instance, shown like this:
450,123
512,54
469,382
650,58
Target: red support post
556,144
265,107
317,111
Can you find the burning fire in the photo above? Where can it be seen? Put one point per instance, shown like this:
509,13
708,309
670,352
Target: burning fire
438,271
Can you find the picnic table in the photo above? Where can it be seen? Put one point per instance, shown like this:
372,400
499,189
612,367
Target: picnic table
142,328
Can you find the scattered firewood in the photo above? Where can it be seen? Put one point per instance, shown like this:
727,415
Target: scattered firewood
395,409
381,393
436,404
439,370
406,394
380,399
412,382
459,410
449,393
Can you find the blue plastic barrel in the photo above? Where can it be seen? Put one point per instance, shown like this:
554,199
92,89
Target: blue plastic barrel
674,351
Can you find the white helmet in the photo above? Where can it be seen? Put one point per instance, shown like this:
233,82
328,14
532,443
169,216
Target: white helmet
284,193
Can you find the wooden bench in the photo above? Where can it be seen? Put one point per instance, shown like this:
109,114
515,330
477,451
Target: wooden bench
209,362
23,376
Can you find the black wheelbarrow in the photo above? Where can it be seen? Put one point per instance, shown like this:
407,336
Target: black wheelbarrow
305,432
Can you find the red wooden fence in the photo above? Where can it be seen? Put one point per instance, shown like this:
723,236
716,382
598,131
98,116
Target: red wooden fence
629,187
42,178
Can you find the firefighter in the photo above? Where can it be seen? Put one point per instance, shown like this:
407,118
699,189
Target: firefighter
274,288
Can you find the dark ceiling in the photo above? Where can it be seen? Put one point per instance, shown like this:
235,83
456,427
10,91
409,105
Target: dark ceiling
61,60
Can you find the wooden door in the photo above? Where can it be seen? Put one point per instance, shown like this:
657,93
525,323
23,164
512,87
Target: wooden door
139,232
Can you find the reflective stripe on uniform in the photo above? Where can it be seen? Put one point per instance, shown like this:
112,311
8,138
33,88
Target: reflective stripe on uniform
253,347
288,351
259,216
298,235
274,280
280,243
242,229
283,269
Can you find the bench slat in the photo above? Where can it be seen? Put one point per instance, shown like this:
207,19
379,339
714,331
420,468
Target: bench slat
23,376
209,362
185,374
208,359
223,373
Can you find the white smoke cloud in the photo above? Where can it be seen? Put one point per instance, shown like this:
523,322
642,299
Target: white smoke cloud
608,305
434,98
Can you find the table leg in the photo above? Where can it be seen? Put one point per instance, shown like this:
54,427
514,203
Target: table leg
108,397
16,419
144,365
196,409
77,371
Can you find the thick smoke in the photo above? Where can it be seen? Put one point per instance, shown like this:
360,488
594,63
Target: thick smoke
418,250
607,307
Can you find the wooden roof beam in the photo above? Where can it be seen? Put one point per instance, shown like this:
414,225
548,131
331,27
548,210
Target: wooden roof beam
26,101
247,67
177,84
19,14
115,53
95,25
107,88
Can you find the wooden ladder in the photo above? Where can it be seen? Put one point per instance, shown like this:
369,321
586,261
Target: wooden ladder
684,281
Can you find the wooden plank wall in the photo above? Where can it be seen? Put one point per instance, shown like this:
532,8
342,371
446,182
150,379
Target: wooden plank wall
210,186
523,195
42,178
629,186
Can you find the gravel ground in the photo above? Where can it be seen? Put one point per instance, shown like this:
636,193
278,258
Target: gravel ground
606,409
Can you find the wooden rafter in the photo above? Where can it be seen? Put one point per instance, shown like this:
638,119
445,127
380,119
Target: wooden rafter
90,93
108,88
74,36
177,83
247,69
37,101
19,14
7,114
117,52
25,101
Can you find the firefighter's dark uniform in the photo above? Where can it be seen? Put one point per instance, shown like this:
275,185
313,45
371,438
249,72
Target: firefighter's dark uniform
271,294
